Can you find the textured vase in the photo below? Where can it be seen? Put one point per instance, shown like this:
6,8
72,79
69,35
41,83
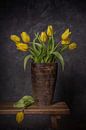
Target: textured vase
43,82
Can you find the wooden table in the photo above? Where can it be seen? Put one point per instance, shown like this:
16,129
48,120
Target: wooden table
56,111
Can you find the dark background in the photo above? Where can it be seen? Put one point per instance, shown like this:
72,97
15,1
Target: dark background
31,16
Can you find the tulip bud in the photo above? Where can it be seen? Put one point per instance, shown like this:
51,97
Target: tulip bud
19,117
50,30
15,38
43,37
66,34
22,46
72,46
25,37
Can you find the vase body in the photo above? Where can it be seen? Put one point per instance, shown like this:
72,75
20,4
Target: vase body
43,77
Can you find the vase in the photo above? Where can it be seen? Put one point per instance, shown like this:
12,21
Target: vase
43,77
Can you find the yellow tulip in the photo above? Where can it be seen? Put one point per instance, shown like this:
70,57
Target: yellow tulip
43,37
50,30
19,117
25,37
22,46
67,41
15,38
66,34
72,46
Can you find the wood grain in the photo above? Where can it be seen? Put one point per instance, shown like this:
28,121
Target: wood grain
56,109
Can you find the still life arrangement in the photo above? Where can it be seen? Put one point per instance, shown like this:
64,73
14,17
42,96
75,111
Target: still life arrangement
44,52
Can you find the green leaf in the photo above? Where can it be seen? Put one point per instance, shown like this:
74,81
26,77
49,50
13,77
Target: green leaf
38,44
24,102
26,59
38,47
57,45
34,44
53,42
49,45
64,48
38,37
32,52
59,56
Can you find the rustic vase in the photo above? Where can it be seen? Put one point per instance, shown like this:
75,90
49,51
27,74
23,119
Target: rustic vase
43,82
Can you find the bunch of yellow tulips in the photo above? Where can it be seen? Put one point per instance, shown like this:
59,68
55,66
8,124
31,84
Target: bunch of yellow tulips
43,48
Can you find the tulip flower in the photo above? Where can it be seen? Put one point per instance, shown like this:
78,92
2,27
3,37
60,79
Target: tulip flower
72,46
50,30
66,34
43,37
25,37
19,117
22,46
15,38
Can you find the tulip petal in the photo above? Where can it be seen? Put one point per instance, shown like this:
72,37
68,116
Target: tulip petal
15,38
72,46
19,117
50,30
22,46
43,37
66,34
25,37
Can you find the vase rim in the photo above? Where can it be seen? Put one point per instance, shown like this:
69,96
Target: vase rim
44,63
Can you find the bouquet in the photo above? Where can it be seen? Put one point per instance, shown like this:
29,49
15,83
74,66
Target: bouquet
44,48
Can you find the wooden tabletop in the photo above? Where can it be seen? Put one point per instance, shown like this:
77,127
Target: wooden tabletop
60,108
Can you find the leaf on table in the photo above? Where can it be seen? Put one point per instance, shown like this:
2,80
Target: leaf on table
24,102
